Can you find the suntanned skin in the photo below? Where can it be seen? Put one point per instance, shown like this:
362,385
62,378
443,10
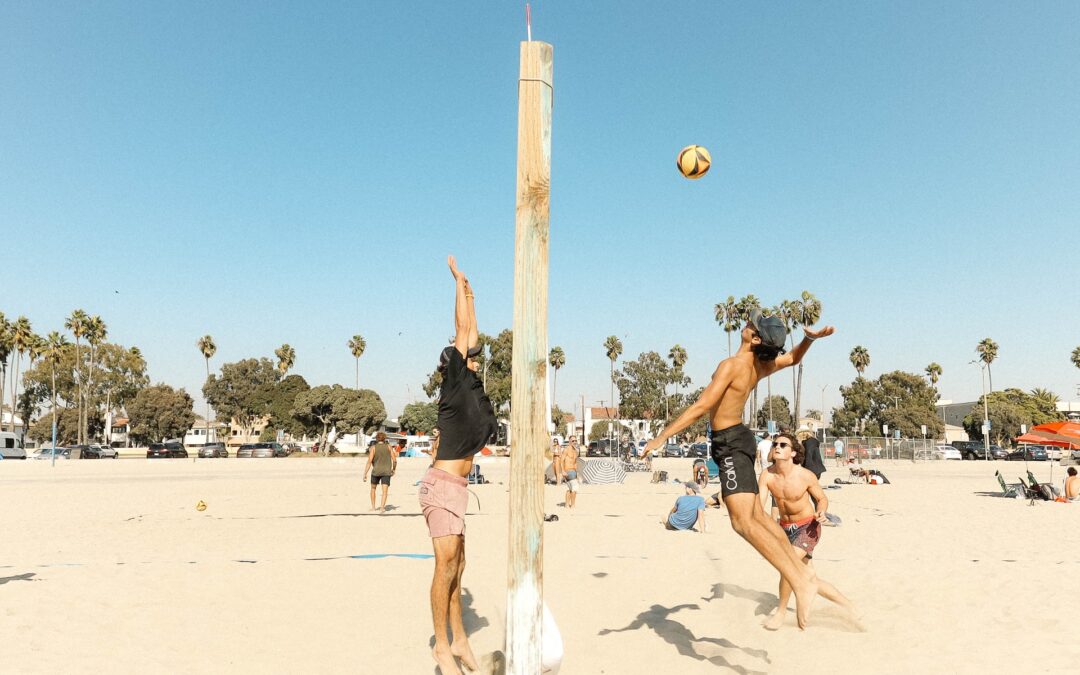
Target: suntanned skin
792,486
569,463
1072,486
557,462
723,400
450,550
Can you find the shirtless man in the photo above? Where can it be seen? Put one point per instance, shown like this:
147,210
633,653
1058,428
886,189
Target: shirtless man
792,486
1072,485
569,467
466,421
734,448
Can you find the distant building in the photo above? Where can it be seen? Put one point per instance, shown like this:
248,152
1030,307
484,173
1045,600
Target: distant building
5,417
624,428
198,434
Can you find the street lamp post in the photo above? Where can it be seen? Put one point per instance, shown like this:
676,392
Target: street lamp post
824,426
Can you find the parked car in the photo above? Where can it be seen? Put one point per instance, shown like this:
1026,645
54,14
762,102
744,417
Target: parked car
47,453
1028,453
593,450
940,452
267,450
977,450
699,450
11,446
86,451
106,452
673,450
170,449
210,450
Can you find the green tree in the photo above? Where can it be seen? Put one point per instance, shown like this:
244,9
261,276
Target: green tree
240,391
278,400
159,412
67,427
78,323
599,430
904,401
496,371
860,358
1075,357
22,337
286,356
814,414
207,348
419,418
987,350
357,345
54,350
558,419
642,388
557,359
96,332
613,349
744,308
727,315
807,312
775,408
698,428
349,410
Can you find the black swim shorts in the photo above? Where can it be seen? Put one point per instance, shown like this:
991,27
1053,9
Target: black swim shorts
734,450
385,480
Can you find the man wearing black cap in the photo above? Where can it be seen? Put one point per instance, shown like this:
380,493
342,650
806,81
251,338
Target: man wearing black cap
734,447
466,422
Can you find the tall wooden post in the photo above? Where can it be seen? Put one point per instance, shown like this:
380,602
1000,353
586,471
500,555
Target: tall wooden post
525,587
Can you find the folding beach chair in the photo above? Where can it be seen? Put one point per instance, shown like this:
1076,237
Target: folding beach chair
1014,490
1050,492
1031,494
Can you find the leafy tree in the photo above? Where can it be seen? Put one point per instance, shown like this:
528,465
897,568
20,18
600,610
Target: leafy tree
987,350
558,418
599,430
807,312
350,410
744,308
1008,410
21,338
698,428
78,323
286,356
727,315
160,412
642,384
557,359
96,332
496,368
904,401
780,410
814,414
240,391
860,358
67,427
54,349
419,418
357,345
277,400
433,385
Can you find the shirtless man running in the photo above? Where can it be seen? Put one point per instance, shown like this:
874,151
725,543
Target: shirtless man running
734,448
466,422
792,486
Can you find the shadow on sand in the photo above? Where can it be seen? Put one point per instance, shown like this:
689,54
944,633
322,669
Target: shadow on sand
766,602
471,620
29,576
656,618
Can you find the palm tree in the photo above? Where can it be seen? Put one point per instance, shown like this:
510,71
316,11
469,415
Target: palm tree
77,324
557,359
5,352
1076,357
357,345
987,350
22,338
743,309
96,332
933,371
808,313
613,349
678,358
54,350
727,315
207,348
860,358
286,358
788,311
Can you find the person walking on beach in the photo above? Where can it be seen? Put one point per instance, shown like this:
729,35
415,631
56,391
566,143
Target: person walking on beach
556,461
382,463
802,505
734,448
570,472
466,421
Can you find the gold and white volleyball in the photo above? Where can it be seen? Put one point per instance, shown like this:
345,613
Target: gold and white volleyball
201,506
694,161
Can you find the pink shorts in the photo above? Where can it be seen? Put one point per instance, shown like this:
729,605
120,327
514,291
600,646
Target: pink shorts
443,499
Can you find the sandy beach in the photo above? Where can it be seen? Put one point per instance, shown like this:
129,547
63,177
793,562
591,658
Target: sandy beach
108,567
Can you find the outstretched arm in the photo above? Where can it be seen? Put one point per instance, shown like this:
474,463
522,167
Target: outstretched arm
464,314
707,401
796,355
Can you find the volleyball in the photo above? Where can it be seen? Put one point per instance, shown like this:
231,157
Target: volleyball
693,162
201,506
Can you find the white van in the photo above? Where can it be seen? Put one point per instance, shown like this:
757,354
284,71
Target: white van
11,446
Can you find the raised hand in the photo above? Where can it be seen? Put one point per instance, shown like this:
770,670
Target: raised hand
458,274
825,331
651,447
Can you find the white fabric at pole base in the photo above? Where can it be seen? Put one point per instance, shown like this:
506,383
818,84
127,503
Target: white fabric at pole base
551,649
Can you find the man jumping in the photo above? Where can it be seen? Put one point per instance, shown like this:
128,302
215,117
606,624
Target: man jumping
466,422
734,448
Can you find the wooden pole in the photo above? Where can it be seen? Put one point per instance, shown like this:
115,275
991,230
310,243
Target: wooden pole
525,588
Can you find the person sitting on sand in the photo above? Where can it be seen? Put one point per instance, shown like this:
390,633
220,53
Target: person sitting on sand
792,487
1072,485
689,510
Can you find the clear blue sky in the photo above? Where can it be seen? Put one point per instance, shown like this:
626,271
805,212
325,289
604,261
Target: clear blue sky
297,172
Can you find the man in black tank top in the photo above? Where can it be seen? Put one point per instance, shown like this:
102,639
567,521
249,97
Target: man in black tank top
466,422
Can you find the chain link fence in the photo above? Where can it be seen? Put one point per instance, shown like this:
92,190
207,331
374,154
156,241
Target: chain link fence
870,448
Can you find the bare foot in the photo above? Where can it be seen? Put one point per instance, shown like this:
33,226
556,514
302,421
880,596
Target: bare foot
804,598
445,660
775,620
462,650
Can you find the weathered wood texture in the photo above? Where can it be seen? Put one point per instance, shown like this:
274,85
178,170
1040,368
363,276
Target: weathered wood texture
528,415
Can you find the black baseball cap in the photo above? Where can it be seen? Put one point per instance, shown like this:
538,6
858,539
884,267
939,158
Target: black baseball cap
770,329
444,357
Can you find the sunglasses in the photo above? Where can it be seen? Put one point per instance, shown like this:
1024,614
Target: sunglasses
781,444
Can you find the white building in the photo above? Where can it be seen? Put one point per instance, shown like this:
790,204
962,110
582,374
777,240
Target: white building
5,419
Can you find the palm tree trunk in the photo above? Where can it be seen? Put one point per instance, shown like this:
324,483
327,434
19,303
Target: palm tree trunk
358,373
798,397
728,342
207,438
990,375
15,392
